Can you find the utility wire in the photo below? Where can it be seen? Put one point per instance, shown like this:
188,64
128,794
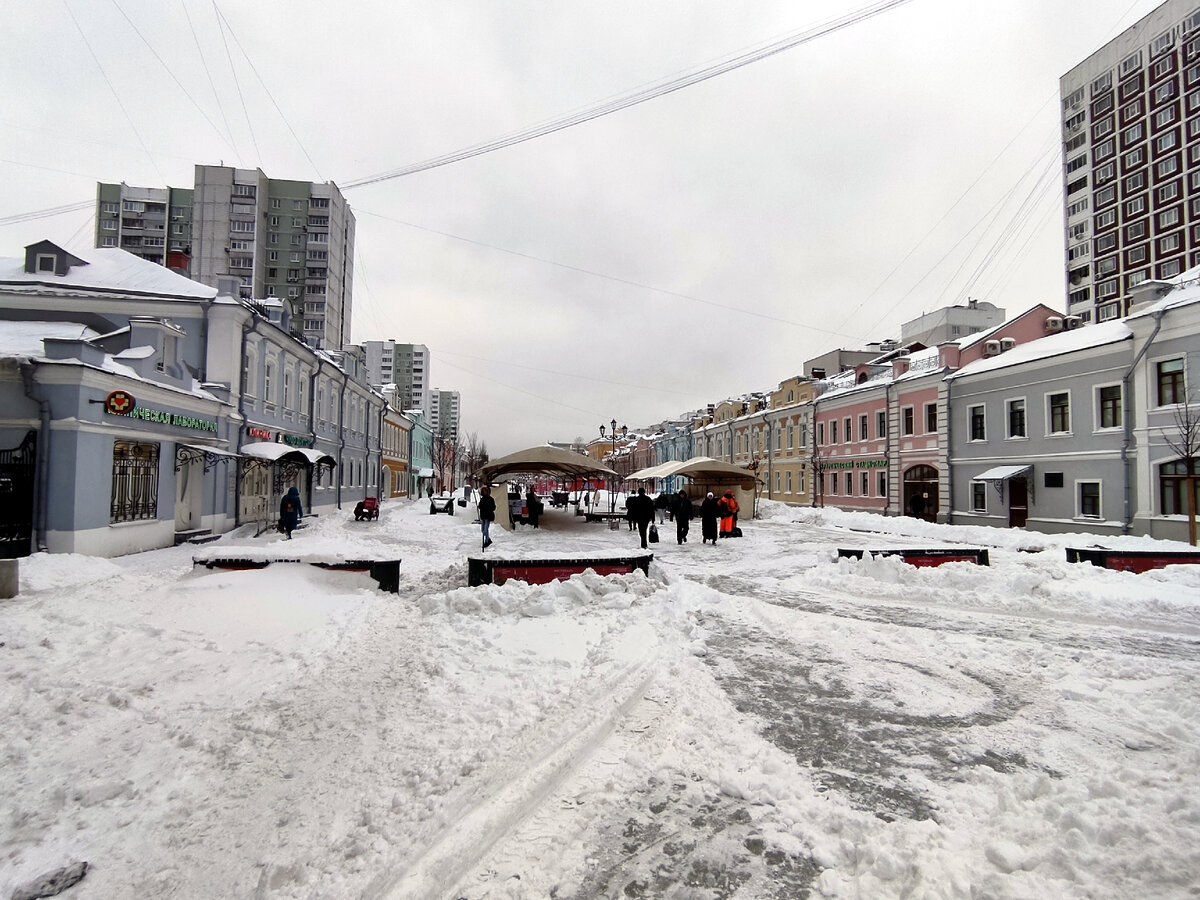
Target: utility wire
808,326
624,101
212,84
47,213
163,63
237,83
116,96
270,96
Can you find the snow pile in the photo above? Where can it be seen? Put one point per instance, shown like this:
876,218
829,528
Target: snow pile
757,716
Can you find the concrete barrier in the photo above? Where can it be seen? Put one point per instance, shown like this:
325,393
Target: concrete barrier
1132,560
933,557
386,572
484,570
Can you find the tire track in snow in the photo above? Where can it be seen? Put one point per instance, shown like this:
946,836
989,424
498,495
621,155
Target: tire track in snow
480,823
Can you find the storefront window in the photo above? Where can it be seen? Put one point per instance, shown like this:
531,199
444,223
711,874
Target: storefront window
134,482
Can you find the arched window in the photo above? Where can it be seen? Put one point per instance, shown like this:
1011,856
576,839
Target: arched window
268,381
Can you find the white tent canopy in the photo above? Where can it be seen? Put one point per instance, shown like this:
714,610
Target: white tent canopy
699,469
545,460
274,452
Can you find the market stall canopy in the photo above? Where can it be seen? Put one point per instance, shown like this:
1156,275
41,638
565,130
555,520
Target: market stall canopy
700,469
544,461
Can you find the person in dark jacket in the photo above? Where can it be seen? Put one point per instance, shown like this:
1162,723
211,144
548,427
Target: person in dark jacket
487,512
641,511
534,505
709,514
630,505
681,509
290,511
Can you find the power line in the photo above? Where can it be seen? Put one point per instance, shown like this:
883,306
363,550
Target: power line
163,63
633,98
270,96
237,83
614,278
116,96
47,213
211,83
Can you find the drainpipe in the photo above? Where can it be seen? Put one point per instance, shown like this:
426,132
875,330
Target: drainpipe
341,439
896,483
43,454
1127,422
247,327
944,412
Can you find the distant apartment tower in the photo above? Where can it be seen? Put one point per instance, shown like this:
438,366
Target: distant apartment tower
153,223
404,365
288,239
951,323
443,412
1131,161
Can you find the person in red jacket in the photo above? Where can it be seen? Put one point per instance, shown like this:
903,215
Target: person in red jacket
728,508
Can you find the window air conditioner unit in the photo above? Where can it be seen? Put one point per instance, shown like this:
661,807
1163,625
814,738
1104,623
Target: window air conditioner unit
1007,344
1072,322
991,348
1054,323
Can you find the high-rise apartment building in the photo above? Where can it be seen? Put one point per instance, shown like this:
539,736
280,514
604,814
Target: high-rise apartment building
1131,161
443,412
153,223
288,239
404,365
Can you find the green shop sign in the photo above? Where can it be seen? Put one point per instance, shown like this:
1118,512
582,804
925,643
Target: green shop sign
855,463
296,440
120,403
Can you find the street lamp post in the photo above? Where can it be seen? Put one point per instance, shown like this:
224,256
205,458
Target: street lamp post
612,494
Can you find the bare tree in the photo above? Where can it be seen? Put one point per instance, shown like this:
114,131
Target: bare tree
1184,439
579,445
446,453
474,456
818,471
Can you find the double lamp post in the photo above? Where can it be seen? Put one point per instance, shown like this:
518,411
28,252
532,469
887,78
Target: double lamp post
612,494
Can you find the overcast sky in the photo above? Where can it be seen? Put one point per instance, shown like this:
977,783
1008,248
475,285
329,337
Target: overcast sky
691,248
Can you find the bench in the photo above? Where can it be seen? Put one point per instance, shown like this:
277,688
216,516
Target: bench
597,516
1133,560
385,572
924,557
543,571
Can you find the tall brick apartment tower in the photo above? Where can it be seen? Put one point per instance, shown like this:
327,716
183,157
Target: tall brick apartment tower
1131,161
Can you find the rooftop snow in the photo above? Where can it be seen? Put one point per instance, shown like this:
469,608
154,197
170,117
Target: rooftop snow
1052,345
109,269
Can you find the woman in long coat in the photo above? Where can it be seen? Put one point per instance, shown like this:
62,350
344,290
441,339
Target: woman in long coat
708,519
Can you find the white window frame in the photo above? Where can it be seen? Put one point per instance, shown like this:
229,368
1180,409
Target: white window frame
1098,410
971,421
1070,415
1008,401
1079,513
978,489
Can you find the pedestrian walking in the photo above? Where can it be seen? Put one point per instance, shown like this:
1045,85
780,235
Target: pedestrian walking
290,511
728,508
630,503
487,512
709,514
642,512
681,510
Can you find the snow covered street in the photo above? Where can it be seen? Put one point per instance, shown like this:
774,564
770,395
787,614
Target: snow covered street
755,719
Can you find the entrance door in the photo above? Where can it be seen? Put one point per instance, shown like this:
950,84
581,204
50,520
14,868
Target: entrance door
921,493
16,498
1018,502
188,481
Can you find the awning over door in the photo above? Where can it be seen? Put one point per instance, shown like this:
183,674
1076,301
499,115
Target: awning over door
424,473
1002,473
